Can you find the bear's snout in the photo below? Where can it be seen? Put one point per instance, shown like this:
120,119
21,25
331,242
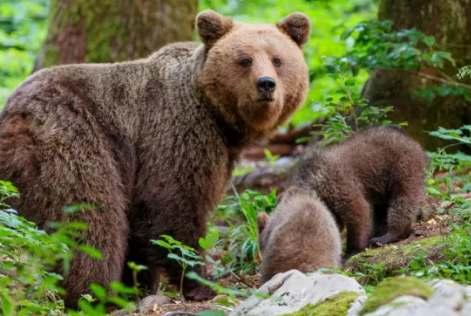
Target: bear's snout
266,85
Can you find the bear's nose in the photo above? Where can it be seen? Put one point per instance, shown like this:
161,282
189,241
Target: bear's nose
266,84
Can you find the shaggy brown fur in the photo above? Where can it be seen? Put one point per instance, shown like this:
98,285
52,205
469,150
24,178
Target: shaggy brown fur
373,176
300,234
152,142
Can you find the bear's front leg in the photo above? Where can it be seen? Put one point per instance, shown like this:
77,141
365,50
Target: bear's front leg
192,290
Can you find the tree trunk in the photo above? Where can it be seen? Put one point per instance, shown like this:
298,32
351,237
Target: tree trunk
449,21
109,30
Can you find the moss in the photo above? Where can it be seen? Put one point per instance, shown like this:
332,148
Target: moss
390,289
336,305
375,264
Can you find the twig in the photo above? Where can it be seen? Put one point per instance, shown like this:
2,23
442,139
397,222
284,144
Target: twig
450,83
239,278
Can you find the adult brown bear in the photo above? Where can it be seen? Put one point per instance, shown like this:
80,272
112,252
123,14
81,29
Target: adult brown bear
151,142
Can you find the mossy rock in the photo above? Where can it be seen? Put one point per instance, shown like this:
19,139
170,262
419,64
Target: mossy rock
390,289
376,264
336,305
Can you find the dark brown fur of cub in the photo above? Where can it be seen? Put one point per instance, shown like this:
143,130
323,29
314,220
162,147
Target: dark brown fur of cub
151,142
372,182
300,234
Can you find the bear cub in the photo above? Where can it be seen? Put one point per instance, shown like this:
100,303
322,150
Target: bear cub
372,182
300,234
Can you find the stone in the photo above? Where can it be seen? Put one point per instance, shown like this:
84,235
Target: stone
389,290
291,291
151,301
402,305
447,293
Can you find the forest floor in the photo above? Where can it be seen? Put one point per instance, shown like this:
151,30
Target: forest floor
434,226
264,176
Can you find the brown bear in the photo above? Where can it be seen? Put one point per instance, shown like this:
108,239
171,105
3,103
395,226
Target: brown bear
300,234
372,182
152,143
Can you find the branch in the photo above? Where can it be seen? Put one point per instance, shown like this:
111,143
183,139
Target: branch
450,83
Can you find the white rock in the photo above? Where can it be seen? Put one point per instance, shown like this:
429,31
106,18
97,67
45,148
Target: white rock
292,290
402,305
283,162
468,292
151,301
448,293
428,310
466,311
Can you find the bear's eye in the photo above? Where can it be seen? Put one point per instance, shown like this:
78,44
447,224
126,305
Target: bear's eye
276,62
246,62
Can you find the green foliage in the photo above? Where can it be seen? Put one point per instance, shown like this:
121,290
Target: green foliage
377,46
22,31
349,111
270,157
241,211
464,72
217,288
95,305
432,92
187,256
28,257
441,160
210,240
456,257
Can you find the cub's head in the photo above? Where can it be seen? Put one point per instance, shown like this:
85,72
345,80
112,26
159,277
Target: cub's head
255,75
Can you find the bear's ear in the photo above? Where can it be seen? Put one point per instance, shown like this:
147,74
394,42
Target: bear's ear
297,26
211,26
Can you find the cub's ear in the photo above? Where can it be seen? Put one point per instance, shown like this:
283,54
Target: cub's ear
262,219
211,26
297,26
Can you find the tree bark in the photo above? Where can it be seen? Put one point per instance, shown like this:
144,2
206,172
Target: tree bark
449,21
109,30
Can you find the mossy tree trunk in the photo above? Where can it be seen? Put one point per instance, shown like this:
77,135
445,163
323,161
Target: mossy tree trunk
110,30
449,21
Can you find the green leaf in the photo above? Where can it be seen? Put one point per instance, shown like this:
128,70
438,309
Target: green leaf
99,291
433,191
121,288
122,303
92,252
184,261
7,304
350,82
210,239
136,267
162,243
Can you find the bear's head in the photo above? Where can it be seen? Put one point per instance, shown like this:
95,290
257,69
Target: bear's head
254,74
